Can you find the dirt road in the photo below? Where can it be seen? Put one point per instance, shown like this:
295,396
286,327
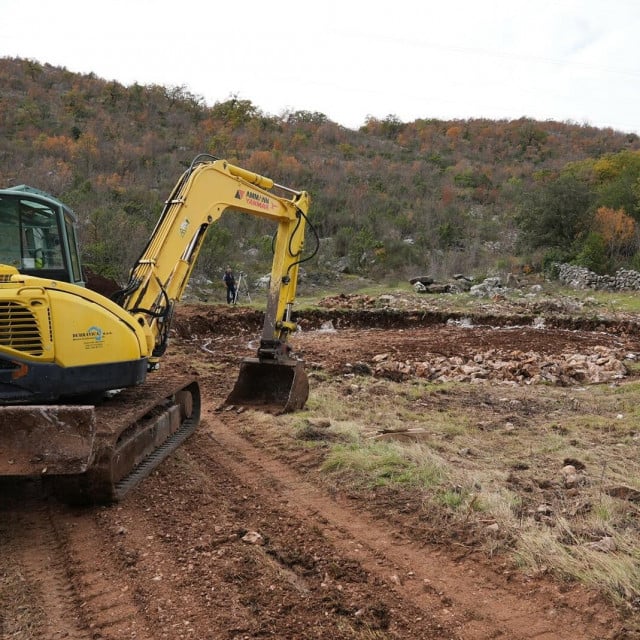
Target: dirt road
233,538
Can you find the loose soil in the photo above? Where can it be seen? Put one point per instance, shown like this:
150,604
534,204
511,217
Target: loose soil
238,535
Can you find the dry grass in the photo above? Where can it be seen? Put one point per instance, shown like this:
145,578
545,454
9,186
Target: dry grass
495,458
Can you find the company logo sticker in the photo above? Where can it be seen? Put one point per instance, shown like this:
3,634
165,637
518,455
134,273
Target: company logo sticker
92,338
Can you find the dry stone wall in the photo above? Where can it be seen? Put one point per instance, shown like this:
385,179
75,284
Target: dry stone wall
583,278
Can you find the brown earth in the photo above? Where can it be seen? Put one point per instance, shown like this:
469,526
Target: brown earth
238,536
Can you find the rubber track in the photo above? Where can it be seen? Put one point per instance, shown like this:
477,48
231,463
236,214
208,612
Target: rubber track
113,418
144,468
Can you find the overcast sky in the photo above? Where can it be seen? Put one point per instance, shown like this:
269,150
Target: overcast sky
567,60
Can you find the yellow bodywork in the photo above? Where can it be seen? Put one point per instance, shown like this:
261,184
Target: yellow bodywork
62,323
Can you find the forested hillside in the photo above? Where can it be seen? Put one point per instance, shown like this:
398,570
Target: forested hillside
390,200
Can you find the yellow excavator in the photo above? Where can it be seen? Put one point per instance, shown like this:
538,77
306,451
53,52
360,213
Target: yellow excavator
81,403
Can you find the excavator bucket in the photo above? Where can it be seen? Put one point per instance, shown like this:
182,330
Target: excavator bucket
273,386
46,439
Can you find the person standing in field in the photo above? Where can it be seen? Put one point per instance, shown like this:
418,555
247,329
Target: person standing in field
230,282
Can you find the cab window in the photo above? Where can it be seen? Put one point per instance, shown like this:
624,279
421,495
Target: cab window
29,234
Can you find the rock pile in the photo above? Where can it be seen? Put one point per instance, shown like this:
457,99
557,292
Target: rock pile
515,367
583,278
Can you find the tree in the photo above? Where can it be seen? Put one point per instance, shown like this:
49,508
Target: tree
557,214
306,117
617,178
593,254
234,111
618,232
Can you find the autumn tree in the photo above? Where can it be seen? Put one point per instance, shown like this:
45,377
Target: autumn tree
617,181
618,231
235,111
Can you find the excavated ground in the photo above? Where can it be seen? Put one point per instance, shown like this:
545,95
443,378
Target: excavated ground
237,537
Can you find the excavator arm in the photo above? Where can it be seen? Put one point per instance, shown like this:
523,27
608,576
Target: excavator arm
204,192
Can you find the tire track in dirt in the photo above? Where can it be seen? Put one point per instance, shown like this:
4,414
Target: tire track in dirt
57,554
290,585
176,534
108,605
460,596
34,564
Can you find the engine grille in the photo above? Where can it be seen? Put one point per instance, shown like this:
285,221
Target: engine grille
19,329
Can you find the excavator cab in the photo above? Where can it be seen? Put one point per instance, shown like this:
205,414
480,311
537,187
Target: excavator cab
37,235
